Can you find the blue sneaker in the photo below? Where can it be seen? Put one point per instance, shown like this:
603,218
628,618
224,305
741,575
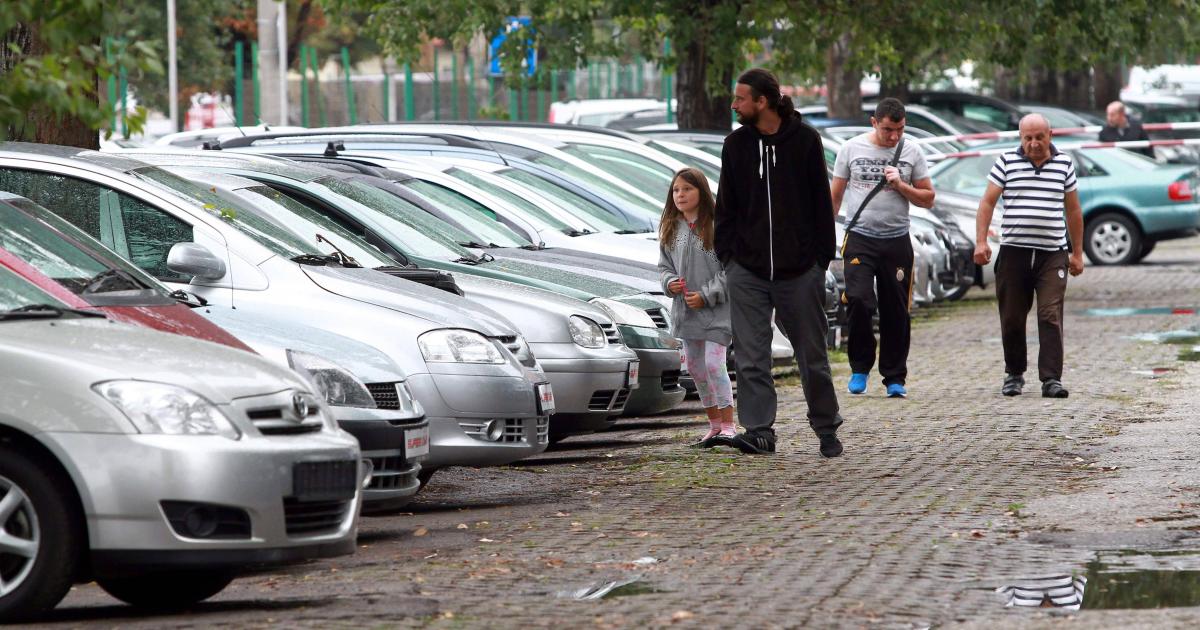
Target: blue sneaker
858,383
896,390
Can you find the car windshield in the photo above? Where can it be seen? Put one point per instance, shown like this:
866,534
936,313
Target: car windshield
593,179
567,199
17,292
713,172
49,252
529,210
1171,115
481,222
967,174
308,223
240,216
420,234
640,171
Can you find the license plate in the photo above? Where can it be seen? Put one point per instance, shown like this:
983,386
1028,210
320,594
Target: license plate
416,443
325,481
631,375
545,397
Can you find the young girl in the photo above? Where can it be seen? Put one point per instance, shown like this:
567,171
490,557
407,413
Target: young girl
690,272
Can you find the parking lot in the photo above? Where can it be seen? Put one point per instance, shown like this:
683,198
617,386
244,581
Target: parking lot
939,500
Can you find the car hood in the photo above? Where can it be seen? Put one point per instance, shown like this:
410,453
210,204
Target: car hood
441,307
273,336
635,247
540,314
594,287
101,350
599,269
175,318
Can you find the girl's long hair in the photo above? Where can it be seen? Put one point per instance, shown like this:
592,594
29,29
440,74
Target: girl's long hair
704,216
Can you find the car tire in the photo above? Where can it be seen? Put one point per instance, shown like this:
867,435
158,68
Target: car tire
37,507
1112,239
1147,247
425,475
167,591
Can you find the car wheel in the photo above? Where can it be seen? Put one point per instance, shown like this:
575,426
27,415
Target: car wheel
167,591
1147,247
40,541
1112,239
425,475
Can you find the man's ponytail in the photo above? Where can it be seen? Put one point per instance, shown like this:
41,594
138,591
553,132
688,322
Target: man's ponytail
786,107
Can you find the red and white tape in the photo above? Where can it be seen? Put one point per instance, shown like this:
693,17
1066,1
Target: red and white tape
1065,131
1127,144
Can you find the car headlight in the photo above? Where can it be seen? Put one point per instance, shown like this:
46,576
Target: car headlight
159,408
449,345
339,387
586,333
623,313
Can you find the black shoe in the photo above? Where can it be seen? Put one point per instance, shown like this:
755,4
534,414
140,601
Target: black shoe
1013,383
754,443
716,440
1053,388
830,446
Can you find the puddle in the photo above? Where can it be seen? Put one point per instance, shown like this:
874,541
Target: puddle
1126,312
1125,579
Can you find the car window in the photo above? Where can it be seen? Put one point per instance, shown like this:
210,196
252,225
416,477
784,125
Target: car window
589,177
923,122
16,292
1171,115
31,241
987,114
543,218
149,234
645,173
73,199
472,215
713,172
1090,167
566,198
964,174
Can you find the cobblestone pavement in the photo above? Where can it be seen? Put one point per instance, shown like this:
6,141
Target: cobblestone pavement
939,500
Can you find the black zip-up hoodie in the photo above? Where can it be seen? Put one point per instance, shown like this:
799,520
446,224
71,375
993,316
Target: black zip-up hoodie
774,214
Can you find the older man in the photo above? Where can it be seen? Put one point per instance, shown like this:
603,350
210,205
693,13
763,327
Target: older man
1041,205
1119,128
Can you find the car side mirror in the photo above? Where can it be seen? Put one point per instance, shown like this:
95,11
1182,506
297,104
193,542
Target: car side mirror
196,260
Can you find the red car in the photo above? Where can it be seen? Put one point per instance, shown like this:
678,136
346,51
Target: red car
66,263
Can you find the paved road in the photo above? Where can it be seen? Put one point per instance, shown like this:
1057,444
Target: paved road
939,500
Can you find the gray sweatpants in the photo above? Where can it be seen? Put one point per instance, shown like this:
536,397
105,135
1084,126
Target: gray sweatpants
799,303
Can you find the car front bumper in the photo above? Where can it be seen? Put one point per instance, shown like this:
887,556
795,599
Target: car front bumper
658,384
382,435
590,385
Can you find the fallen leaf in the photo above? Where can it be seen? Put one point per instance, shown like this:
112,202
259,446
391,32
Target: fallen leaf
486,540
421,531
462,526
681,615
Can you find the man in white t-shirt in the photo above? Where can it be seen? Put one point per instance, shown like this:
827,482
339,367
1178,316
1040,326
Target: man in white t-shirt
878,254
1041,207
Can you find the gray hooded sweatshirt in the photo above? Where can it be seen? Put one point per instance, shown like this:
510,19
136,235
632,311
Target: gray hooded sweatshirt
686,258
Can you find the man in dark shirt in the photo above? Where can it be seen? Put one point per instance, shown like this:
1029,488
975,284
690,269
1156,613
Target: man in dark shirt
1120,128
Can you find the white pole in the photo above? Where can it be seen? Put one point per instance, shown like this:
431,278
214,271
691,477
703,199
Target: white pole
172,73
281,32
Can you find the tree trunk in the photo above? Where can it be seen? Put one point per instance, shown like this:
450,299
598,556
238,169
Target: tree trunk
1002,85
1107,81
42,125
843,93
1075,89
698,109
895,87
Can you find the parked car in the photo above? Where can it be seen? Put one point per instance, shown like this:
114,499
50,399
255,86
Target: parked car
149,462
990,111
1129,201
485,396
366,391
934,121
597,111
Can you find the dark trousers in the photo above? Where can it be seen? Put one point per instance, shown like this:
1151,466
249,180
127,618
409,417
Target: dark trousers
1021,274
879,276
798,304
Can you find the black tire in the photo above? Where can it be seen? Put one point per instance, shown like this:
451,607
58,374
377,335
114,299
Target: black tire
167,591
957,293
50,513
1112,239
425,475
1147,247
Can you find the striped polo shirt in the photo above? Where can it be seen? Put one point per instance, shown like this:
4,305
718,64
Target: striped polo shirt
1034,214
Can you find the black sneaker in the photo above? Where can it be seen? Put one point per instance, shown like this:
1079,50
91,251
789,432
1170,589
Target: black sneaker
831,446
754,443
1053,388
1013,383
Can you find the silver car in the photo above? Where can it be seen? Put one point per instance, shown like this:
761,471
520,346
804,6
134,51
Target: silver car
157,465
487,401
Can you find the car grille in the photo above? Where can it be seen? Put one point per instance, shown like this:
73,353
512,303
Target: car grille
391,470
519,350
284,421
514,430
670,379
660,318
313,518
543,430
606,399
385,395
612,334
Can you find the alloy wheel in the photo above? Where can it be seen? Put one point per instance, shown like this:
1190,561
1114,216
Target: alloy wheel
19,536
1111,242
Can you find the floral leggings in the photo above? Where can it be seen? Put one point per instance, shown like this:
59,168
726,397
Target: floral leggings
706,363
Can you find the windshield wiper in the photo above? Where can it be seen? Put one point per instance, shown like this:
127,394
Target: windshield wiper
574,232
111,280
44,311
343,258
534,248
319,260
467,261
476,245
190,299
486,257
